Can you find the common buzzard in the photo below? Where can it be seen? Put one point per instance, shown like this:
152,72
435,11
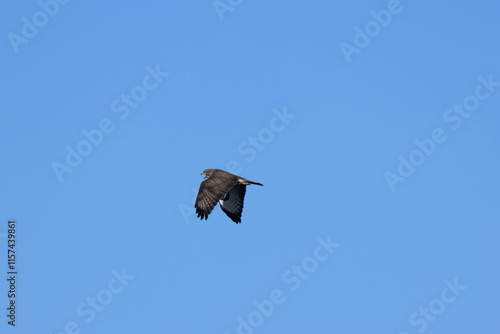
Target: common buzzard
225,188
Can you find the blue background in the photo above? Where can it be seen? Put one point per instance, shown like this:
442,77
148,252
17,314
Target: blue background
127,207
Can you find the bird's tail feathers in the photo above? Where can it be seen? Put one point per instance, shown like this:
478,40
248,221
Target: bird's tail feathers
251,182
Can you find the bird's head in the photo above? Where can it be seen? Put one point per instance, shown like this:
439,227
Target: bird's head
207,173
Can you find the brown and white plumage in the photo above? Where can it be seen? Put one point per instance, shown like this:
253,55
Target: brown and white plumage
225,188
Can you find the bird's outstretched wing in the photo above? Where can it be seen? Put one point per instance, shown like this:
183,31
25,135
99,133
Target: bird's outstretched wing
211,191
232,203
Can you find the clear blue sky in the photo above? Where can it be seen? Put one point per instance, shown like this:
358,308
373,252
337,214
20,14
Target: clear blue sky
374,127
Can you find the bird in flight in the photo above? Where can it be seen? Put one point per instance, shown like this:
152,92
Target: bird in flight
225,188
